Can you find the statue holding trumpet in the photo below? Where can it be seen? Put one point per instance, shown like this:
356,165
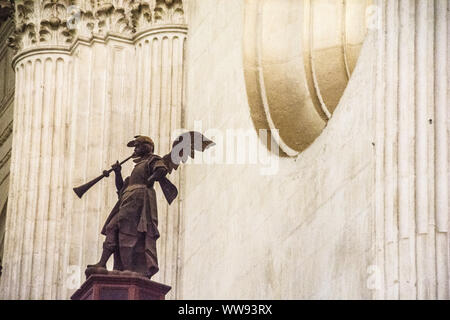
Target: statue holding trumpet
131,228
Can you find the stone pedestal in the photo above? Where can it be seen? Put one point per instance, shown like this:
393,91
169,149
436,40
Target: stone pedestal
120,287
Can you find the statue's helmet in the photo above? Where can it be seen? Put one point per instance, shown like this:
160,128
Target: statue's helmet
143,140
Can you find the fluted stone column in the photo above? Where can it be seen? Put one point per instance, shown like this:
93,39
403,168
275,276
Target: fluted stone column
35,208
81,94
411,207
158,110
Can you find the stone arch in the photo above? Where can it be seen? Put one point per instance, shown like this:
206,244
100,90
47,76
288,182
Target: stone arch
298,59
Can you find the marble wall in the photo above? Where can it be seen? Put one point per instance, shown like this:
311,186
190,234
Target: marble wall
362,212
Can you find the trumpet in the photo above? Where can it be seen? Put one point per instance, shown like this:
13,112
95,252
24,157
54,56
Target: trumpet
81,190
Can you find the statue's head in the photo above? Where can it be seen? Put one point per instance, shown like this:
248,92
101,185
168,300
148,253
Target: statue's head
142,146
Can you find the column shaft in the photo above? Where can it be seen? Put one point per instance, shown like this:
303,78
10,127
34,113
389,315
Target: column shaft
36,206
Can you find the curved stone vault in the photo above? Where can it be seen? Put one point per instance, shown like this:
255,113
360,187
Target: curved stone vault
299,56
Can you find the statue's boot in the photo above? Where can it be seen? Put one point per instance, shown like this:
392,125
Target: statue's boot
103,260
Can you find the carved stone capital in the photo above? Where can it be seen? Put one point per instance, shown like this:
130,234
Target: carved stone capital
141,15
169,11
130,16
60,22
111,17
41,23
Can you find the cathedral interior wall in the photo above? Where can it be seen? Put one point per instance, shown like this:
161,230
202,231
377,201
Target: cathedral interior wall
305,231
353,203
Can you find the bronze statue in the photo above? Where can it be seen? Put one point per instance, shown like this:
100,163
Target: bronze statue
131,229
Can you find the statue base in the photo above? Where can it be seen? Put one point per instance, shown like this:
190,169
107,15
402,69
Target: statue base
119,285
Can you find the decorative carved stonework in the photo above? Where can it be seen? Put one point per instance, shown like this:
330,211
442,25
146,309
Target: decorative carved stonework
141,15
111,18
53,25
169,11
129,16
46,22
41,23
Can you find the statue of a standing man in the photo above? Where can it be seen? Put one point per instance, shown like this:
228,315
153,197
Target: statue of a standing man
131,229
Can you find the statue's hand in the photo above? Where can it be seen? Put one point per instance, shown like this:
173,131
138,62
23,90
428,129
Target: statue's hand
117,167
105,173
